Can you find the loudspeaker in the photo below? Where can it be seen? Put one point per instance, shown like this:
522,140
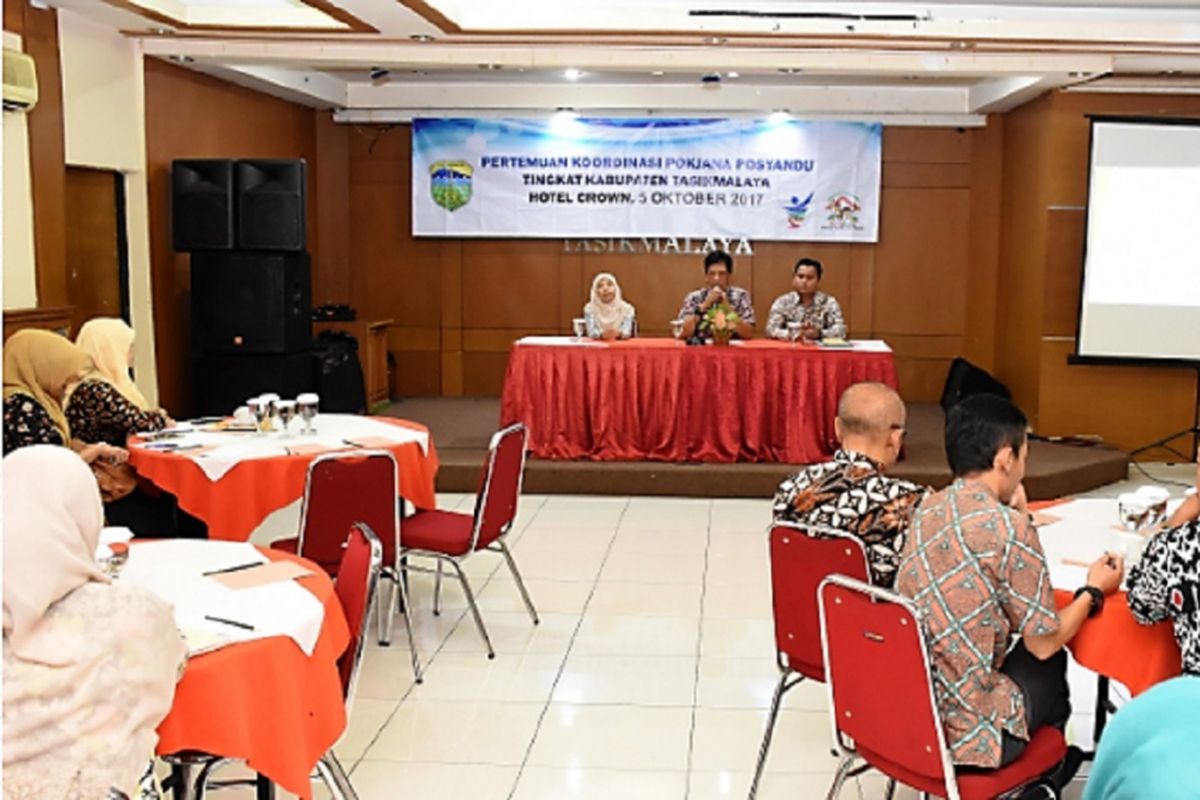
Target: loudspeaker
251,302
966,379
202,204
271,209
221,383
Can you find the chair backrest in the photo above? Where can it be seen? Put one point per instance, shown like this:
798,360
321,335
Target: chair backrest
499,486
344,488
356,584
801,557
880,687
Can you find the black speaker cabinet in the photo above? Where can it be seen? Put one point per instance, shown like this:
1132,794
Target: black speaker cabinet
966,379
251,302
221,383
271,209
202,204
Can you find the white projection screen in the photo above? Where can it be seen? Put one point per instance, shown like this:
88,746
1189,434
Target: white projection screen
1141,274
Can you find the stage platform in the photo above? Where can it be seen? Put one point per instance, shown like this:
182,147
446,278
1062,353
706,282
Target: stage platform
461,428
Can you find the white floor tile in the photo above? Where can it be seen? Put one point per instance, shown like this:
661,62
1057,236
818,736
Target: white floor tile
508,678
458,732
616,737
728,739
632,567
549,596
389,780
367,717
629,680
552,783
636,636
515,633
645,600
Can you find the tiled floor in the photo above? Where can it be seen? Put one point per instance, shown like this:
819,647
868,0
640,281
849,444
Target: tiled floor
648,677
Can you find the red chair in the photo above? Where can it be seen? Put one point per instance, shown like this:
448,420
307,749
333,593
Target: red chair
343,488
358,576
882,704
801,557
450,536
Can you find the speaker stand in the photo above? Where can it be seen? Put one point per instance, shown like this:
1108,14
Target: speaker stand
1193,431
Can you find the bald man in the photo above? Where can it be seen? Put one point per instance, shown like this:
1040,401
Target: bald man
851,492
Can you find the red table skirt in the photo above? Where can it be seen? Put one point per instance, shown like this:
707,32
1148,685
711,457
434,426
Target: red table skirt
660,400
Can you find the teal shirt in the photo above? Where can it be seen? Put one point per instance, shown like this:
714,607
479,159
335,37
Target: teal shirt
1151,748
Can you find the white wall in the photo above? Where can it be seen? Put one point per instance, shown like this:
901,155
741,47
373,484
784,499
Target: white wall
19,265
104,121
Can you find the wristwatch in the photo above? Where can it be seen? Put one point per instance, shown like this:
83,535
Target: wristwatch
1096,596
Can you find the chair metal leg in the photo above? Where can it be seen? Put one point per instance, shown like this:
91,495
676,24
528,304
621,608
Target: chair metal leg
512,566
383,608
839,778
402,602
335,777
890,791
263,788
776,701
462,578
437,590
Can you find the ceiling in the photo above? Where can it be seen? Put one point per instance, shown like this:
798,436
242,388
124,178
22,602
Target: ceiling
933,63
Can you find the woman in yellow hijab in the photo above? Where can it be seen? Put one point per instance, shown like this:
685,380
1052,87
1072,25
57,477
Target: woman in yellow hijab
107,406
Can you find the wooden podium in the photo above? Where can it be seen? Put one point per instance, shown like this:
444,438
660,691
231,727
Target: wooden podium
373,350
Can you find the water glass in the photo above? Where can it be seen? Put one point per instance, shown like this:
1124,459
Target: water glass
579,325
794,329
676,328
1133,511
261,411
1155,498
287,412
306,405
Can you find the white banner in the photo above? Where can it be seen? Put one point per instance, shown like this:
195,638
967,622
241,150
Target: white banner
574,177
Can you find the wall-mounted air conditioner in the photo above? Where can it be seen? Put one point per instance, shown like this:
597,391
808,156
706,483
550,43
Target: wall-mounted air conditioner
20,81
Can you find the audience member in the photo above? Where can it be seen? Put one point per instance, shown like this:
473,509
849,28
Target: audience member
718,267
975,568
1165,582
106,406
89,666
607,315
851,493
818,314
1148,750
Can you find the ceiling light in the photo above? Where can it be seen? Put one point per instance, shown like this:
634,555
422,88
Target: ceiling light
779,115
572,74
421,37
658,73
715,40
733,74
489,66
161,31
790,70
182,59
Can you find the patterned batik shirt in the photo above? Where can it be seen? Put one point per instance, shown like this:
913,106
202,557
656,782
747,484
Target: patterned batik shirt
1165,584
739,301
976,570
824,312
27,423
851,494
97,412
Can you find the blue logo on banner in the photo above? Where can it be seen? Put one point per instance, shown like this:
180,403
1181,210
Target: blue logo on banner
798,210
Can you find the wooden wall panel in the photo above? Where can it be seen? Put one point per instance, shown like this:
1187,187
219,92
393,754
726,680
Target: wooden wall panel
987,183
93,262
1064,268
333,278
189,115
511,284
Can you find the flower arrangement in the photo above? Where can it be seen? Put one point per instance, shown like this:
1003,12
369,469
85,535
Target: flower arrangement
721,321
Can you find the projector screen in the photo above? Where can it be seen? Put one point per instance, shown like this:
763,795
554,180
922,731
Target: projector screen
1141,273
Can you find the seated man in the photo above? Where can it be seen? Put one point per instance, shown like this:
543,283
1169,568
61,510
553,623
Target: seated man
819,315
851,493
975,568
1165,583
718,266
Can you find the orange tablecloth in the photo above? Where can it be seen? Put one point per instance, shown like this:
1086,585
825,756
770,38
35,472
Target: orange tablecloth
235,505
264,701
659,400
1114,644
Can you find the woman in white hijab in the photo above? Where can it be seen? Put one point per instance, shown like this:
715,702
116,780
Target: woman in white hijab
606,314
89,666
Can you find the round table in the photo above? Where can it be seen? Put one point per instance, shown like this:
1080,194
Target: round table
263,701
234,505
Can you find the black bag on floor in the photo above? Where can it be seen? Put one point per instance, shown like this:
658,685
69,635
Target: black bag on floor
340,373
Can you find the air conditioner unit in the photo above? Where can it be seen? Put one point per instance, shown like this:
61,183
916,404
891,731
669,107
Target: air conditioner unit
20,81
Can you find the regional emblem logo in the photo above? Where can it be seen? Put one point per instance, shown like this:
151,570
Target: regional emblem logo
842,212
450,184
797,210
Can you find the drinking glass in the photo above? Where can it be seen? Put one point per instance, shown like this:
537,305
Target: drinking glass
676,328
1155,498
272,401
1133,511
287,412
261,410
307,404
579,325
794,329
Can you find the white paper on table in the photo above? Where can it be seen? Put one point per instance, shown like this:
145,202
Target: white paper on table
337,428
174,571
559,341
215,463
866,346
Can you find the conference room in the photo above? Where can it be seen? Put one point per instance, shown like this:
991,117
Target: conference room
414,398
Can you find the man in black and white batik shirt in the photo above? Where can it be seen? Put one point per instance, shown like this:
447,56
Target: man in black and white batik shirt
851,493
1165,583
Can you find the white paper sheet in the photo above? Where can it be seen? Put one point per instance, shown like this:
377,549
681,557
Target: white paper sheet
174,571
